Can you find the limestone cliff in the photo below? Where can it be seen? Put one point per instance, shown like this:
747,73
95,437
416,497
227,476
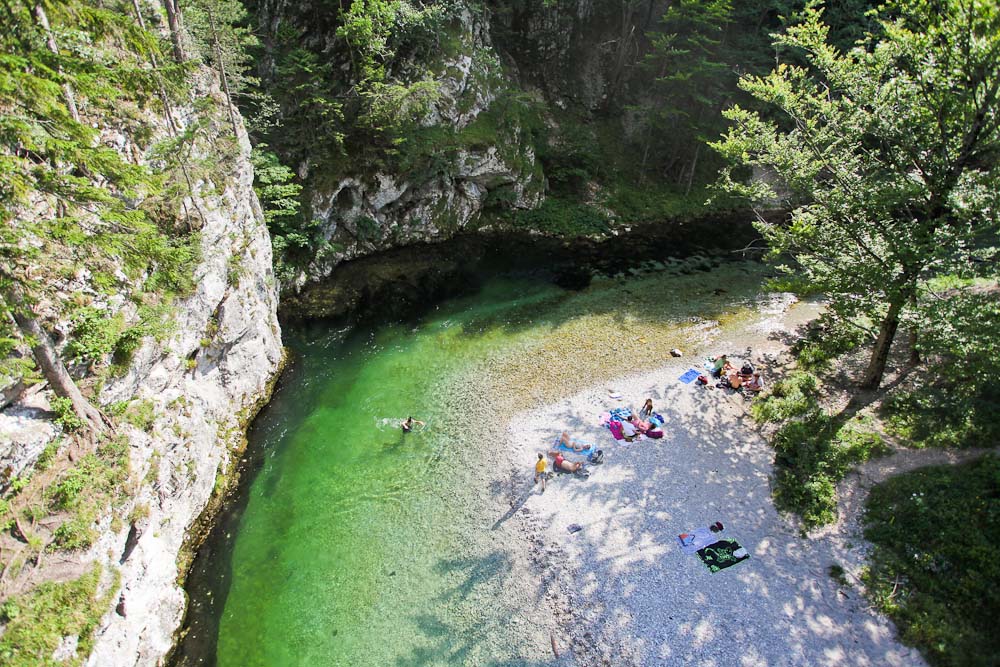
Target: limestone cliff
197,383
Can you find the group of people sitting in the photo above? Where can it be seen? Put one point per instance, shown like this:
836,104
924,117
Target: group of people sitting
746,377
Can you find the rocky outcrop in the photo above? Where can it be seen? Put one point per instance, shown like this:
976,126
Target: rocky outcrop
198,383
205,383
365,213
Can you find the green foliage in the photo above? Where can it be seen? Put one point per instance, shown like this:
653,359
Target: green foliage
934,569
651,204
882,161
793,396
46,457
87,489
94,335
65,415
141,414
828,338
957,404
812,454
37,621
562,218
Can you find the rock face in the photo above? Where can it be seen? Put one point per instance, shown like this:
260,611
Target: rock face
200,383
205,382
363,214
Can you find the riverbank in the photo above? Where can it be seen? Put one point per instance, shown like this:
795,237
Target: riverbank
635,598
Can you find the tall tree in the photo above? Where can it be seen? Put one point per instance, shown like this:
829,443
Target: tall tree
65,196
690,80
887,155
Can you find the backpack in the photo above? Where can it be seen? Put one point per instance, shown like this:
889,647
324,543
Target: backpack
702,379
597,457
747,369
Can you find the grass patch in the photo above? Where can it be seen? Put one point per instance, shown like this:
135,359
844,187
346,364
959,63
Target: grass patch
812,455
827,340
563,218
86,490
37,621
654,202
934,568
945,414
793,396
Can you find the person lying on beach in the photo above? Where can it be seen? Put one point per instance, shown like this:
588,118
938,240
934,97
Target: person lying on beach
755,383
721,366
559,461
407,425
647,409
640,425
569,443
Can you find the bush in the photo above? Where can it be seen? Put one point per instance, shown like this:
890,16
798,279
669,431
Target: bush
65,414
793,396
934,568
812,455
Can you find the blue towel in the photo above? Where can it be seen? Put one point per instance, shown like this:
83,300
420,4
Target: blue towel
587,451
689,377
620,414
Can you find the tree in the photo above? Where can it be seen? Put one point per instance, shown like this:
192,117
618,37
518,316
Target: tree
67,199
886,154
691,78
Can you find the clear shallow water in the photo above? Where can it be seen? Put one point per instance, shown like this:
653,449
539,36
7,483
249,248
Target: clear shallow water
356,544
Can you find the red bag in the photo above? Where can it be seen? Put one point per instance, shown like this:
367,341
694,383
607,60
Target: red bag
655,433
702,379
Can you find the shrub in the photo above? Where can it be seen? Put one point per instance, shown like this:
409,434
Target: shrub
793,396
934,568
65,414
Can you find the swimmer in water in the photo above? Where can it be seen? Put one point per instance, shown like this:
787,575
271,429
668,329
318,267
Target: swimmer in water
407,425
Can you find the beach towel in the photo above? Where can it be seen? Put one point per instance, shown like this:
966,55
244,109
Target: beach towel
616,430
604,418
722,554
689,376
620,414
696,539
656,419
587,450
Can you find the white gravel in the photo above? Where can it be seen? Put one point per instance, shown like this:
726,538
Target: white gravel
633,597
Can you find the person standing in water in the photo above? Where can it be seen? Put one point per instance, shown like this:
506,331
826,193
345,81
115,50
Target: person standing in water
540,470
407,425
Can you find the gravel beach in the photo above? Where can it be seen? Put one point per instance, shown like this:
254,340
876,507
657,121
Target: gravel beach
622,591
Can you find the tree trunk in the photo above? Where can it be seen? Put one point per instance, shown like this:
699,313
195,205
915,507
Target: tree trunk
694,165
176,32
222,72
49,362
880,354
50,41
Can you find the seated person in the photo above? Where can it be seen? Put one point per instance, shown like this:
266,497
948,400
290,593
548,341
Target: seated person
735,380
628,431
720,366
560,463
755,383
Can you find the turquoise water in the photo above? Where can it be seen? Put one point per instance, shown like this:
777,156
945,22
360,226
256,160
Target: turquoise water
338,558
356,544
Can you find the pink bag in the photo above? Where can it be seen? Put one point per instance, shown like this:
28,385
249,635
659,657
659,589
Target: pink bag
616,430
655,433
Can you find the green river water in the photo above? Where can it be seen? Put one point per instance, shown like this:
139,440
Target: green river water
354,544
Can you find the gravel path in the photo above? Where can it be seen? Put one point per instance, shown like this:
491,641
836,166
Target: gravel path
635,598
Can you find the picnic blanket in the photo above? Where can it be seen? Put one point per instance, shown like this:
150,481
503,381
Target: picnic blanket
722,554
689,376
